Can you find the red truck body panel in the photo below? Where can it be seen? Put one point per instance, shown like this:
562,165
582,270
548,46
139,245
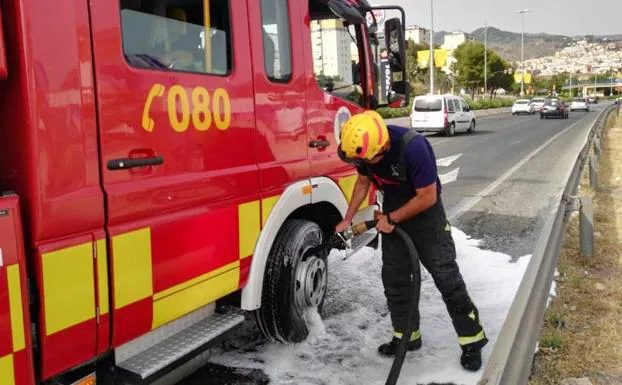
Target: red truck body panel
115,253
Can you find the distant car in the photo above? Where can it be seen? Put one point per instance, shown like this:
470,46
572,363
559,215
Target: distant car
579,104
554,108
523,106
538,103
442,113
593,99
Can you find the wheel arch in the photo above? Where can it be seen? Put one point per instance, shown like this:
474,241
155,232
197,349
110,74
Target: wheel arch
326,205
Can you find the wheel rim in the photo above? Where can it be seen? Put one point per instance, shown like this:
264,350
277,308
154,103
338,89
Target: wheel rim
311,282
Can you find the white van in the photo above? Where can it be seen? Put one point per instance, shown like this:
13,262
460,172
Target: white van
442,113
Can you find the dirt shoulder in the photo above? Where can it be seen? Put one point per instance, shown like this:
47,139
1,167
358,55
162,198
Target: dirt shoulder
582,333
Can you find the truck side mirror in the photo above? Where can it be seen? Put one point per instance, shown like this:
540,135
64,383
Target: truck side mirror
398,94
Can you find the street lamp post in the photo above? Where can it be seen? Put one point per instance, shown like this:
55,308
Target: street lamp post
431,46
486,58
522,49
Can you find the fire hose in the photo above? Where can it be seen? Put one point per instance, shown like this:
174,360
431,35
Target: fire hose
340,240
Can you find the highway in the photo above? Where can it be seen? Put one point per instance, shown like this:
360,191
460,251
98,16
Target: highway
499,180
498,186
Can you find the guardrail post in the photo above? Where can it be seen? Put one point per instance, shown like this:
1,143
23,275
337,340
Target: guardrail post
586,224
597,150
593,174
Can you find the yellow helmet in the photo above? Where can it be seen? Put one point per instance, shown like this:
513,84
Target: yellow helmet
363,136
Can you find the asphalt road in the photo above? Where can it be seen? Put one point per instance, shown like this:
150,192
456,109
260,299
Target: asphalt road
499,185
500,180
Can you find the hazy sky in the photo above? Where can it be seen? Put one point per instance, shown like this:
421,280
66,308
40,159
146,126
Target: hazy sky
566,17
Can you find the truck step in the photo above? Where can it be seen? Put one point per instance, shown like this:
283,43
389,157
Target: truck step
180,346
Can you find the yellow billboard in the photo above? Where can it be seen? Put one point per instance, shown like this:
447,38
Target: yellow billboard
519,75
440,58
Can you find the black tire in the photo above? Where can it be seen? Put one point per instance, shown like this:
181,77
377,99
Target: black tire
282,313
471,128
451,130
541,116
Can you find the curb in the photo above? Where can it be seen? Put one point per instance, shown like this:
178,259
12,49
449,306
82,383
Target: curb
492,111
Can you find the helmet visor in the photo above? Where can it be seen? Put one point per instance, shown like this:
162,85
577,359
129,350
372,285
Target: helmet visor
353,161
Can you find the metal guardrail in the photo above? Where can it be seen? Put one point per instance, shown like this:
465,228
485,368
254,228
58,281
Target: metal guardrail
513,354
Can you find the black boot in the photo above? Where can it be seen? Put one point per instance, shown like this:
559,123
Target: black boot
390,348
471,359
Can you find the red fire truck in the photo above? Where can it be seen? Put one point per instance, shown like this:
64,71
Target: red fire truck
161,158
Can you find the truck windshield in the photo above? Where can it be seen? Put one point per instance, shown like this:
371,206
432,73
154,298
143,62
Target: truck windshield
335,48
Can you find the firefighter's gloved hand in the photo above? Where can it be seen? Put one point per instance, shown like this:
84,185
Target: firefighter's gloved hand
383,225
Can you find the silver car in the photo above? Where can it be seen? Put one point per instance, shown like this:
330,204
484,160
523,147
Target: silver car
538,103
579,104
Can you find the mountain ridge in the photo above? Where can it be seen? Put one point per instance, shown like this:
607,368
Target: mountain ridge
508,44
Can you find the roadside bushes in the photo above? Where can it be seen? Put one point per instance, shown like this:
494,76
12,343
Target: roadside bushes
483,104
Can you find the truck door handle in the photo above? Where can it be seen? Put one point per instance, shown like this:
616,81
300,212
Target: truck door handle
319,143
127,163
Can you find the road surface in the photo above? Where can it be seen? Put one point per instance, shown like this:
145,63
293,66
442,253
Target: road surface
498,185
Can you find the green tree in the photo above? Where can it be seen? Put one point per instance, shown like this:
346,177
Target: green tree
470,65
500,76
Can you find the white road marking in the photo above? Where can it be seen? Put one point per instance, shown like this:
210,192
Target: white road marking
472,201
449,177
447,161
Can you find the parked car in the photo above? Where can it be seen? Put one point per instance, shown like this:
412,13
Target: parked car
537,103
442,113
554,108
523,106
579,104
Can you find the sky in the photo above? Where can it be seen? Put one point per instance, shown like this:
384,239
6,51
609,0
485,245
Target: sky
566,17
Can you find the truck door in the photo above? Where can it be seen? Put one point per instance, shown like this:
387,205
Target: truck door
335,80
178,155
279,79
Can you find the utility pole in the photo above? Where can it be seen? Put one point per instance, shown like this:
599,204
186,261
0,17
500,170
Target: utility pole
486,58
431,46
522,50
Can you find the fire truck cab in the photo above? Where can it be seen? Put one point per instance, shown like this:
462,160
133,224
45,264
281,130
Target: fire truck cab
166,166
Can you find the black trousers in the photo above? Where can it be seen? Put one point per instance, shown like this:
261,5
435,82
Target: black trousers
431,234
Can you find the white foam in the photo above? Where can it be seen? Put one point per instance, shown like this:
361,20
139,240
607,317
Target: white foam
341,348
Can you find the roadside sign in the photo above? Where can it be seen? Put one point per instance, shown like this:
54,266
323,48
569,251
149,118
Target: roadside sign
379,14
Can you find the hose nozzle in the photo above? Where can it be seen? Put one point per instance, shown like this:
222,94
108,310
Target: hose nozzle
357,229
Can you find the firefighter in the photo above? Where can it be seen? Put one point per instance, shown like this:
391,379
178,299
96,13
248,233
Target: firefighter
402,164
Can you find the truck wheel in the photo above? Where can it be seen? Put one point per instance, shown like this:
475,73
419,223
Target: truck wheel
295,280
